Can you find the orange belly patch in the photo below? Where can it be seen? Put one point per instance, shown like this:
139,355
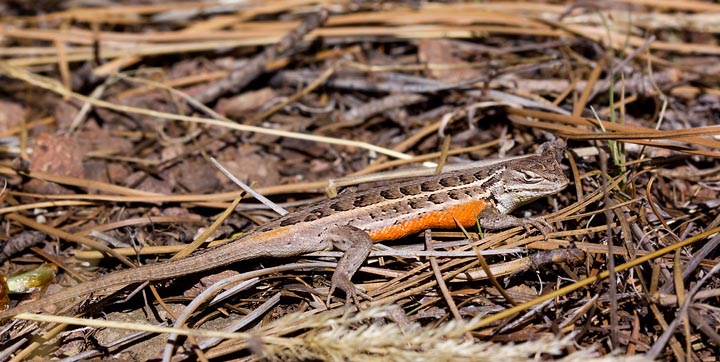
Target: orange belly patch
465,214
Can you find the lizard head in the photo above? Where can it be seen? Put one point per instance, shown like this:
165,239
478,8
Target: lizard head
530,178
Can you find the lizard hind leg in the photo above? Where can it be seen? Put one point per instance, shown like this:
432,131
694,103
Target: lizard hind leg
356,245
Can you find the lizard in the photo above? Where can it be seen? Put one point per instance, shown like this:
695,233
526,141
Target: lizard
352,221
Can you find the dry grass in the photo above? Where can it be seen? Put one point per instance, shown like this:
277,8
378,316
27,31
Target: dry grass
109,116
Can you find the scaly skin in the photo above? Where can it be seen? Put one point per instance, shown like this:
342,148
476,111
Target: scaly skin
486,193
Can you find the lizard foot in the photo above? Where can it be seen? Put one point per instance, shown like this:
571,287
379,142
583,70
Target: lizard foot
505,221
342,282
539,223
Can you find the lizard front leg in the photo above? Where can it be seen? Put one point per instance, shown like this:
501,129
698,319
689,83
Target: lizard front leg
356,244
500,221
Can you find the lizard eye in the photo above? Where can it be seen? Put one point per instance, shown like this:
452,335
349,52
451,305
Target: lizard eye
530,177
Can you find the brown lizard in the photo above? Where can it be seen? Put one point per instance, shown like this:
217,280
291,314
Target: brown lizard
352,221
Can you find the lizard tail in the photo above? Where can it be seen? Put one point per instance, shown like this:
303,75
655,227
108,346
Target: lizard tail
110,283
